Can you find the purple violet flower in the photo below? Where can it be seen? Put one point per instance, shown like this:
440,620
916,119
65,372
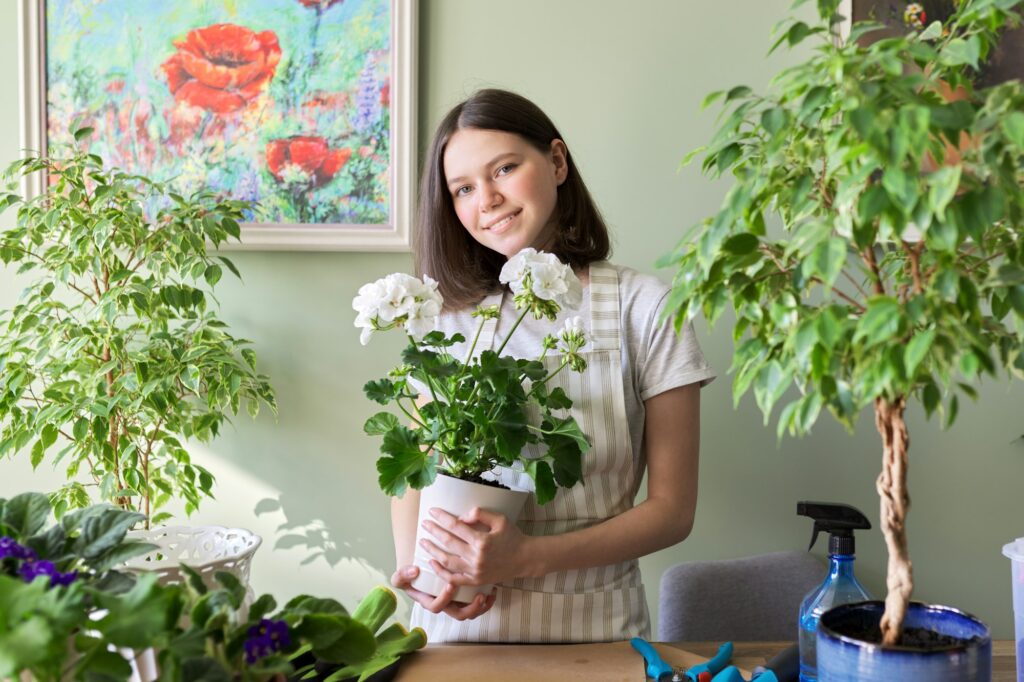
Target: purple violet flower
9,548
33,569
265,638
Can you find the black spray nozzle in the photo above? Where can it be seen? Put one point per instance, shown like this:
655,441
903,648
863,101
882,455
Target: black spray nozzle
838,520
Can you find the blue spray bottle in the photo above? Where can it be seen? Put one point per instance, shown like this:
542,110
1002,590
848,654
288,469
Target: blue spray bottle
840,585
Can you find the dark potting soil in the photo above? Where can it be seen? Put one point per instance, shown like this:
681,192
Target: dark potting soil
484,481
917,638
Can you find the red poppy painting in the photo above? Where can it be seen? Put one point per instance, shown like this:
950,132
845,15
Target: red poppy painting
300,106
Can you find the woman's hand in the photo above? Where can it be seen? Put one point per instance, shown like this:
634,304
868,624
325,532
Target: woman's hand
478,548
442,603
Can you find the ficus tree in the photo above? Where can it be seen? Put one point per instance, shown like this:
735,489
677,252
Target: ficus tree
870,245
113,355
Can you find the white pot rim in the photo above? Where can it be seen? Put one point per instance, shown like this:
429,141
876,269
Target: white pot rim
253,542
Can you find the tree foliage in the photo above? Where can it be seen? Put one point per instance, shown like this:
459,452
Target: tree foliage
113,356
870,245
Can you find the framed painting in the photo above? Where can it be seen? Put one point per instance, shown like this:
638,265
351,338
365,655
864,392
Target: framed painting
1006,62
305,107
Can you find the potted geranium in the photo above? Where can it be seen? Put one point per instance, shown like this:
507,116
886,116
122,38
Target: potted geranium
479,412
870,248
114,355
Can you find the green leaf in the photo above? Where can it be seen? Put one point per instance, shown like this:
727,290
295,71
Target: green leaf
710,98
773,120
933,31
880,322
543,479
232,585
930,397
380,423
103,532
138,617
917,349
558,400
381,391
960,51
954,409
112,664
727,156
942,187
83,133
406,464
230,265
797,32
741,244
769,386
738,92
26,514
212,274
814,98
1015,295
1013,127
902,189
337,639
829,259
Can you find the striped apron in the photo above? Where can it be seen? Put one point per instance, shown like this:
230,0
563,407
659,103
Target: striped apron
600,604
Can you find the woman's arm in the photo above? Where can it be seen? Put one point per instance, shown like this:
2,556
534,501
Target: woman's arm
500,552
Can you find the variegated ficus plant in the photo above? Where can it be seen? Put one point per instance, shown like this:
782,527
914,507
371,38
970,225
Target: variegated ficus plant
483,410
113,355
870,245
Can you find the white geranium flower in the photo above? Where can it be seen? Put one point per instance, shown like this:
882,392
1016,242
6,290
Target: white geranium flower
397,300
574,325
574,296
550,279
516,268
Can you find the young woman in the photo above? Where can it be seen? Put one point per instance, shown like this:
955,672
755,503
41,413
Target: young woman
499,178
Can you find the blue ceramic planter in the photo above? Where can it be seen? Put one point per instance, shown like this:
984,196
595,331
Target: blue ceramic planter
844,659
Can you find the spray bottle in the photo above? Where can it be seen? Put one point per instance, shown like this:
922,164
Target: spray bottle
840,586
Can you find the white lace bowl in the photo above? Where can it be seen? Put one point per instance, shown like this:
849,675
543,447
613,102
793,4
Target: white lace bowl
204,549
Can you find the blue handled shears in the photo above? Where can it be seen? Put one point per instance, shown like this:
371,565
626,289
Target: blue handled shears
659,670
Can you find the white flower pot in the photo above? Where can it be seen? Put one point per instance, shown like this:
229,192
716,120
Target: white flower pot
204,549
458,497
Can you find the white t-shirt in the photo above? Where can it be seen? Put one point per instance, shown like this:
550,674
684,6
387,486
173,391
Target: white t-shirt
654,358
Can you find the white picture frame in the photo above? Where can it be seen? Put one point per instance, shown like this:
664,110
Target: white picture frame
393,235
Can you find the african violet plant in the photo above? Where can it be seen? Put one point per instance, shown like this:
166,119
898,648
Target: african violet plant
479,412
898,271
50,580
64,603
114,355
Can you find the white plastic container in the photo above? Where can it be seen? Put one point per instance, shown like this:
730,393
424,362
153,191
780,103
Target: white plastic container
1015,551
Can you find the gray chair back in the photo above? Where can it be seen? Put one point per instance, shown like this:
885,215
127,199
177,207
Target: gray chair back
746,599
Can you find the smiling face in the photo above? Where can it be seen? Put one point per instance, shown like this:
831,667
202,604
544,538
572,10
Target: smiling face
504,189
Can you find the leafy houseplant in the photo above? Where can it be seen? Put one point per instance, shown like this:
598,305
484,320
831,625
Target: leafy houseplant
479,416
63,603
114,353
847,303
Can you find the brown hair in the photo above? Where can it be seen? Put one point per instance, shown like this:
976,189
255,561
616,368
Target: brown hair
466,270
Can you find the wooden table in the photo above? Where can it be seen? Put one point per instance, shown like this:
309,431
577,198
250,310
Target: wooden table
611,662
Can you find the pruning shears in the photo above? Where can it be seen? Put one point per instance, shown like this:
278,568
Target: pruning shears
661,671
785,667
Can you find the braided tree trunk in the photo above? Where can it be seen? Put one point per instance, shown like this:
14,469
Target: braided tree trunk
892,491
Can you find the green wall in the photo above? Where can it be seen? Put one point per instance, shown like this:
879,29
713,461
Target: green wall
623,81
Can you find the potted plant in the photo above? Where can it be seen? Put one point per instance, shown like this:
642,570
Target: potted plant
870,245
479,412
51,576
114,354
67,612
